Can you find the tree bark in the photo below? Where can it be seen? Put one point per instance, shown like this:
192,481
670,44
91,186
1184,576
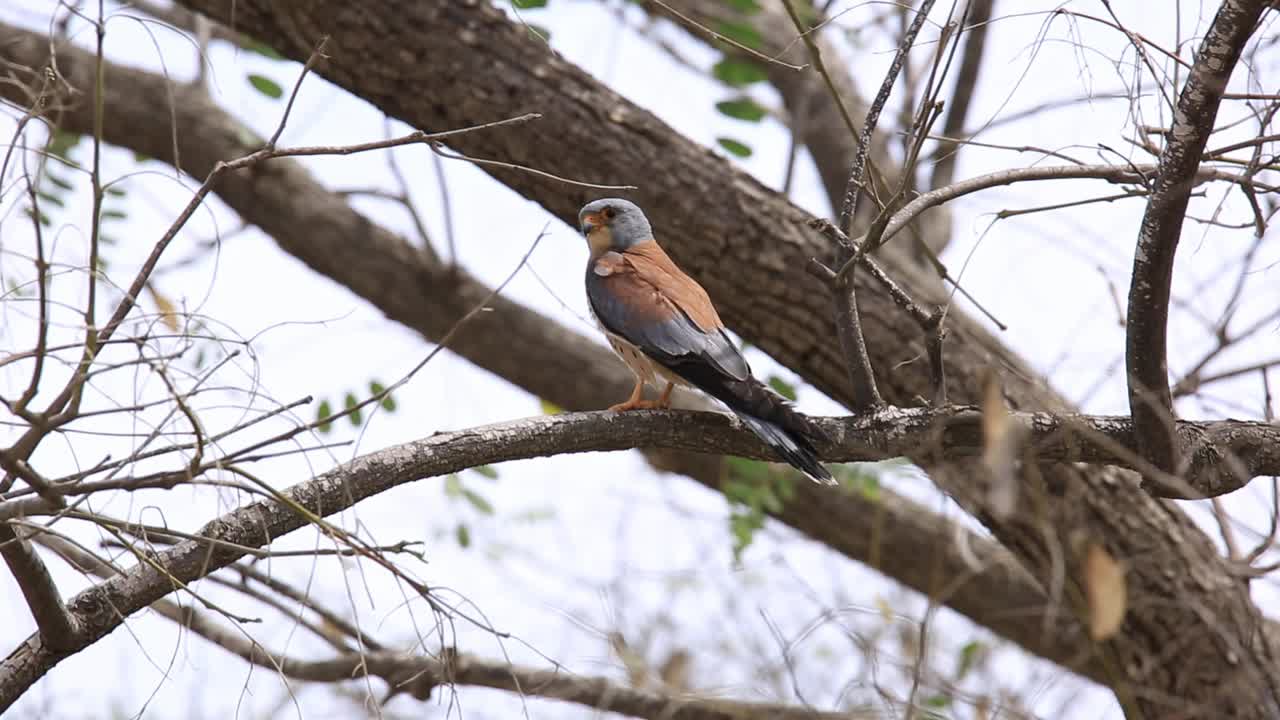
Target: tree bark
749,248
970,573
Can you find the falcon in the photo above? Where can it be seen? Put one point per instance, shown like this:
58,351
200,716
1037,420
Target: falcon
664,327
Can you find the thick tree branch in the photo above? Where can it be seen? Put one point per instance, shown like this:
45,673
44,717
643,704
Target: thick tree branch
1146,361
524,347
385,46
100,609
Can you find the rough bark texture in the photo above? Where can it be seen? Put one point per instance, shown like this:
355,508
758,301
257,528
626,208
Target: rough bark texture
812,112
1192,635
322,230
1194,119
1205,647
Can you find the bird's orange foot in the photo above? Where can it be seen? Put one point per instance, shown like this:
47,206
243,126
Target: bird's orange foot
634,404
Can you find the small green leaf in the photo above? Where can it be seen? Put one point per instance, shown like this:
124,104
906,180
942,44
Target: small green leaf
549,408
969,655
44,219
477,501
486,471
115,191
452,486
743,108
539,31
938,701
735,147
746,7
140,157
743,528
528,4
113,215
61,143
259,47
753,471
355,416
736,72
741,33
782,387
388,402
50,198
464,536
57,181
108,240
323,412
266,86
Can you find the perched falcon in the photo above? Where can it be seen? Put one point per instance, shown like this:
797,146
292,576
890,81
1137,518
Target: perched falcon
663,325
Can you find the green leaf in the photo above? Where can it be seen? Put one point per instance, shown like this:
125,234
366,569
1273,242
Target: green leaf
741,33
452,486
753,471
549,408
61,143
113,215
463,535
114,191
539,31
736,72
323,412
855,477
743,528
528,4
487,471
735,147
743,108
57,181
140,158
746,7
938,701
50,198
969,655
782,387
259,47
356,416
266,86
477,501
44,219
388,403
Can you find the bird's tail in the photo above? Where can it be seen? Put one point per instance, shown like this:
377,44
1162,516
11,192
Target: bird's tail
791,446
769,415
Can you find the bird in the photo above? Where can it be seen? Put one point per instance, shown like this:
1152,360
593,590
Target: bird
662,324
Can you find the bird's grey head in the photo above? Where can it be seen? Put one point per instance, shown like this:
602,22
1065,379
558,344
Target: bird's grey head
613,224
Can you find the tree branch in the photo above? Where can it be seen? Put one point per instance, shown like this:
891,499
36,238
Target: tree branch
58,628
1146,360
1225,660
100,609
523,346
420,675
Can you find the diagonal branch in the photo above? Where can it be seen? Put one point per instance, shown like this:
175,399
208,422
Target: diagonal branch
1146,339
58,628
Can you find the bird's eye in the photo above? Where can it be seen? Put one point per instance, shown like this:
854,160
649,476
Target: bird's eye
609,213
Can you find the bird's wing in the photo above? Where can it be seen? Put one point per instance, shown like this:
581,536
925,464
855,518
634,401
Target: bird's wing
641,296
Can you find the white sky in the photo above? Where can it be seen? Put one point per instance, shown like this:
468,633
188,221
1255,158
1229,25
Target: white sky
584,545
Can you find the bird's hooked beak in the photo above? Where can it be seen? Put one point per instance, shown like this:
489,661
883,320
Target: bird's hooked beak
589,223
